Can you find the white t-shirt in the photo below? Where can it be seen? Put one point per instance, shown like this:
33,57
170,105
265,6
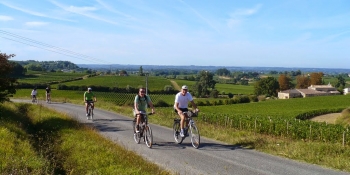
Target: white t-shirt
183,99
34,92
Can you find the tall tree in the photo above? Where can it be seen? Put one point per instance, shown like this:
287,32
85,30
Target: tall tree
266,86
316,78
204,85
223,72
302,82
340,82
141,71
7,83
285,82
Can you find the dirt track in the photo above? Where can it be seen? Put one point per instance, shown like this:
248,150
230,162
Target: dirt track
329,118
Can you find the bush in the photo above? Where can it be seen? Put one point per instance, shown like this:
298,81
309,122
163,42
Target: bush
161,103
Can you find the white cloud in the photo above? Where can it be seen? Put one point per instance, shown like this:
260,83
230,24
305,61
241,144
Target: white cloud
31,12
84,11
35,24
81,10
237,16
5,18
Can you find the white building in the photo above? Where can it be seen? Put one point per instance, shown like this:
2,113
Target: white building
346,91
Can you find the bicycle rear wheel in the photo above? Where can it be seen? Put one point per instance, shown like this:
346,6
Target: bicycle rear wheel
195,137
176,131
148,136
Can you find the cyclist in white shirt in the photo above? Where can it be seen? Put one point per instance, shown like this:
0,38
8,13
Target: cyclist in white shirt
181,105
34,93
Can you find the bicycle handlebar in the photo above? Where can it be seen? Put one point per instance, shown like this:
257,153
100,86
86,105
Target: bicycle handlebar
144,113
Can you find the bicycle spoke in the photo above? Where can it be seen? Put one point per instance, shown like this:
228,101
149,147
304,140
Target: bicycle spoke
195,136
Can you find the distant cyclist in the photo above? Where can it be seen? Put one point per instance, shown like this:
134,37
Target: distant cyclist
48,93
140,104
181,105
34,94
89,97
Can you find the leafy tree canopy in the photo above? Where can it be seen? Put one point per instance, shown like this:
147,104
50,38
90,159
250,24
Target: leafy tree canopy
7,82
266,86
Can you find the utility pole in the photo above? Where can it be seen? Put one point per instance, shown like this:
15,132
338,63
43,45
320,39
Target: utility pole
146,74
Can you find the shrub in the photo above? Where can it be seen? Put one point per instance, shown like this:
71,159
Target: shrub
161,103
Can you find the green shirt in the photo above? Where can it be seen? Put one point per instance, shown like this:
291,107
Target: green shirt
88,96
142,102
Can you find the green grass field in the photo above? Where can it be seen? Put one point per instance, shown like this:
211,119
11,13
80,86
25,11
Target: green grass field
154,83
47,77
226,88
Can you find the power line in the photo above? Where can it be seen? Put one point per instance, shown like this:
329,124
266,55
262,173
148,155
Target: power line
45,46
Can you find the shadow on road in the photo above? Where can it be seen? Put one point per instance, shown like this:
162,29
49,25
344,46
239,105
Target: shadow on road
218,147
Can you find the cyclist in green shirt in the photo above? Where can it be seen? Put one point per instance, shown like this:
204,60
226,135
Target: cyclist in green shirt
140,104
89,97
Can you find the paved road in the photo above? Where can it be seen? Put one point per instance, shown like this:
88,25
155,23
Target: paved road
211,158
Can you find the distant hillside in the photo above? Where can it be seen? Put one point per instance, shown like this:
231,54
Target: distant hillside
114,67
48,65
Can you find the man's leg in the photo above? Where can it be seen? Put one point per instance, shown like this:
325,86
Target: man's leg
86,108
182,121
137,123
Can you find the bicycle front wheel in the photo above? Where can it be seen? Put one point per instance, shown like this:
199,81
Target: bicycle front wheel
137,137
176,131
148,136
195,137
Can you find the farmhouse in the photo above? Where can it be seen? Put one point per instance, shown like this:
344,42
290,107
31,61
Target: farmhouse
346,91
311,91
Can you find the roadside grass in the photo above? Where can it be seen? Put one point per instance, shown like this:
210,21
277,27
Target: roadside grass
37,140
344,119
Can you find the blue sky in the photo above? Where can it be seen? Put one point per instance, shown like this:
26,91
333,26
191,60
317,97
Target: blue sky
289,33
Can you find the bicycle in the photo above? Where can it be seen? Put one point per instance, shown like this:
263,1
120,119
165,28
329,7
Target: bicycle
90,115
48,98
34,100
144,128
195,136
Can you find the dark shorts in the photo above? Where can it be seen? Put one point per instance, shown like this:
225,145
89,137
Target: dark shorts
182,110
33,96
89,102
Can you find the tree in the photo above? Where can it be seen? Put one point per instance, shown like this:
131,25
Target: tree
266,86
223,72
17,69
204,84
302,82
316,78
340,82
7,83
285,82
141,71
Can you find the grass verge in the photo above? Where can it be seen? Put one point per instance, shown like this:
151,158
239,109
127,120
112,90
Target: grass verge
52,143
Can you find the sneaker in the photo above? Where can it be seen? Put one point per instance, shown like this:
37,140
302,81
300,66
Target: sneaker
87,114
182,133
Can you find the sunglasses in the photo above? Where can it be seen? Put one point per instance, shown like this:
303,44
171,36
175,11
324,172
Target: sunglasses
142,91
